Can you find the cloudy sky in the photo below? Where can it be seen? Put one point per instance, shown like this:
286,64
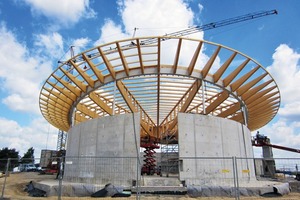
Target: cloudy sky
36,34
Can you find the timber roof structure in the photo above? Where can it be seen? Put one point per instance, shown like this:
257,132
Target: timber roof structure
159,79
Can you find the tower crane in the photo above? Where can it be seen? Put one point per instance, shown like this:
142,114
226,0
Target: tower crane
194,29
62,136
149,166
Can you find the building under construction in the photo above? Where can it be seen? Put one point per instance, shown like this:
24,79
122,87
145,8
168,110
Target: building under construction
180,96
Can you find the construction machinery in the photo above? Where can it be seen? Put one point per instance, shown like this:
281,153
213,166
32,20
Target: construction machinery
261,141
269,163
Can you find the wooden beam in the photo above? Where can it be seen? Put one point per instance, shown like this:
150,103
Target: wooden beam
107,63
220,99
194,59
234,86
239,117
247,86
223,68
69,94
69,86
84,109
61,96
233,109
253,91
140,56
75,80
191,94
133,105
259,94
234,73
125,65
265,104
177,56
210,62
87,78
94,68
262,99
158,55
94,97
128,98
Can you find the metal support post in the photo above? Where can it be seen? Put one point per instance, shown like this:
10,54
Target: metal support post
114,102
235,178
6,174
203,98
60,176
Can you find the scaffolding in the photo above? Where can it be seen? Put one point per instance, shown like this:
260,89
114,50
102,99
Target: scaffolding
61,140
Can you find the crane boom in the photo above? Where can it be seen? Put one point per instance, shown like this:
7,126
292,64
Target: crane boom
193,29
233,20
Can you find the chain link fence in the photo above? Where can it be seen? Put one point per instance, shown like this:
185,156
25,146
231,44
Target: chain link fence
67,177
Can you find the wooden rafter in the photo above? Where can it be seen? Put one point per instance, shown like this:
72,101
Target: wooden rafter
87,78
194,59
158,88
125,65
176,59
94,68
223,68
107,63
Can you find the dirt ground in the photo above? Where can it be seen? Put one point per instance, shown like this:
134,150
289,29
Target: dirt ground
16,183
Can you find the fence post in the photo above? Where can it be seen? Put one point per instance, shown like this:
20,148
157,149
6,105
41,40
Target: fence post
236,178
60,176
138,179
6,174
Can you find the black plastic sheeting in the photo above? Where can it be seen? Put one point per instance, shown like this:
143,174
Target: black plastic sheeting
110,191
35,192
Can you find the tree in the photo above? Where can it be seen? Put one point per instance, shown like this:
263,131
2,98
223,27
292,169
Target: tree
28,156
6,153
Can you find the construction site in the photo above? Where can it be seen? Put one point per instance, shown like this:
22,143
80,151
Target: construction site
155,115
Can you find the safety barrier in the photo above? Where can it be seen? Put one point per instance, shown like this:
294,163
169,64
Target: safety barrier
67,177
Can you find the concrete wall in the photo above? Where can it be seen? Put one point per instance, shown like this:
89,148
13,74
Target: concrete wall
211,139
103,150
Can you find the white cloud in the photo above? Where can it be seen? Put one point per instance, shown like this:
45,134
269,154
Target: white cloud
291,111
50,45
200,7
81,42
39,135
110,32
286,71
150,17
157,15
283,133
64,12
21,74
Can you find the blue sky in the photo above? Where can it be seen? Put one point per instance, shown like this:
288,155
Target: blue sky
35,34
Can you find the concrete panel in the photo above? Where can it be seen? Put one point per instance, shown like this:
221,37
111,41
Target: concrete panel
104,150
207,145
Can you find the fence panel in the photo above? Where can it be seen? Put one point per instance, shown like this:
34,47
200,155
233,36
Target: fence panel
207,171
86,175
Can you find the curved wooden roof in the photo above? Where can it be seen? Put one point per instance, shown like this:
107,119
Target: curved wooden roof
159,80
